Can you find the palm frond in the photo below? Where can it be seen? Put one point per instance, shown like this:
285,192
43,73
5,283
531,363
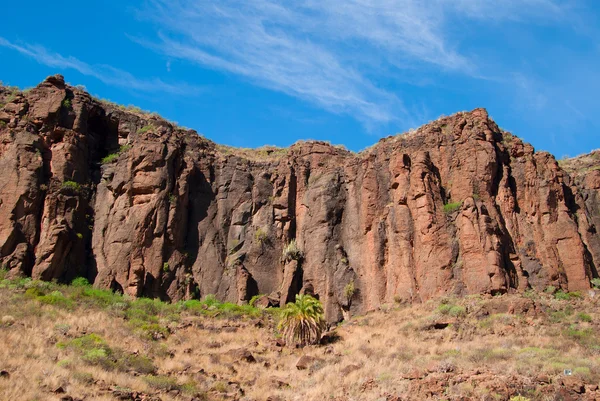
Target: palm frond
302,322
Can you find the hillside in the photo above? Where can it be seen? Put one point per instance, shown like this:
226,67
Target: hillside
78,343
140,206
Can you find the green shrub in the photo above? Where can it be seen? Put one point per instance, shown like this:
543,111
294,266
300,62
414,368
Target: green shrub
83,377
88,341
452,310
457,311
165,267
110,158
565,296
192,305
302,322
163,383
210,306
95,351
150,306
291,251
584,317
114,156
66,103
452,207
349,290
96,356
64,363
261,236
98,297
149,330
584,336
145,129
71,186
210,300
595,283
230,309
137,363
80,282
56,298
34,292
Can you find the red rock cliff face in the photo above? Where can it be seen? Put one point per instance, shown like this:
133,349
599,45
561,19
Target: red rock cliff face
457,207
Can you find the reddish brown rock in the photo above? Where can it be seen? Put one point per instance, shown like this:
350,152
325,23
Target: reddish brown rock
243,355
306,362
172,215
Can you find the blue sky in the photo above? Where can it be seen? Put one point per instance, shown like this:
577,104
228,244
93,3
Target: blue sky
249,73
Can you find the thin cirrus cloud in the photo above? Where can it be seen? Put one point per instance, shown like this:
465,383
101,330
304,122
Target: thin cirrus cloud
105,73
332,53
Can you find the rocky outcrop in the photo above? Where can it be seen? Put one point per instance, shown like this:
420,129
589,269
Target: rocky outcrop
139,205
585,185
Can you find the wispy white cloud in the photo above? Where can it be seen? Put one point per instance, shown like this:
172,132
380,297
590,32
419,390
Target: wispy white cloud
104,73
332,54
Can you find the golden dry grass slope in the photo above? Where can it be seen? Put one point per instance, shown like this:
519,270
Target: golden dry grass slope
79,343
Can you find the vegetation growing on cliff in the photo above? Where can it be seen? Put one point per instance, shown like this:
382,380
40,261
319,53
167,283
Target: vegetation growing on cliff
452,207
114,156
291,251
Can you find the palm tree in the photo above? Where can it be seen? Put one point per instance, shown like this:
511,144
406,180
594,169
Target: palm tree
302,322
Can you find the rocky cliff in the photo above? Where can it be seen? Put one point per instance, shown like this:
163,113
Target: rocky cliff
139,205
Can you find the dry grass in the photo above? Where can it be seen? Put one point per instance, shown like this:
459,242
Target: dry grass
396,351
262,154
582,164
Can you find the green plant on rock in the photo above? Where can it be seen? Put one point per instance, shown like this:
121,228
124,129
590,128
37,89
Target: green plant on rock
145,129
349,290
67,104
71,186
302,322
291,251
115,155
595,283
452,207
451,310
565,296
261,236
